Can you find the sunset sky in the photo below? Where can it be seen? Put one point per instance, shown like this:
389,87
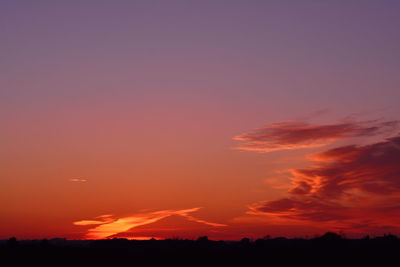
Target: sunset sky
223,118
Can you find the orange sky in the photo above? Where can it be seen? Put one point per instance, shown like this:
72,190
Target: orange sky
290,189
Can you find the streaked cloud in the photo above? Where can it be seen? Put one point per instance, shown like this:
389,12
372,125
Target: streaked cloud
107,226
191,218
78,180
291,135
356,188
89,222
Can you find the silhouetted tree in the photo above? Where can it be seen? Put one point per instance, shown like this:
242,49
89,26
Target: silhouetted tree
44,243
389,237
329,236
245,241
202,239
259,242
366,237
12,242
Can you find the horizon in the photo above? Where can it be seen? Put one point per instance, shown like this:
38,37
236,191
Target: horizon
226,119
342,236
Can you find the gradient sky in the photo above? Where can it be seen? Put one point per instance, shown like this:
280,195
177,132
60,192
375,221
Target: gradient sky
184,118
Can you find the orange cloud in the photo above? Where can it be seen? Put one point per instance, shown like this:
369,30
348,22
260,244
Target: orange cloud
296,135
108,227
353,188
104,219
79,180
191,218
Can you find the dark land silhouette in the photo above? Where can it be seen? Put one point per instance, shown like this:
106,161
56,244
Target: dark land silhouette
330,249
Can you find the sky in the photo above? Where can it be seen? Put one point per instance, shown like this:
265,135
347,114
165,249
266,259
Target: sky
167,119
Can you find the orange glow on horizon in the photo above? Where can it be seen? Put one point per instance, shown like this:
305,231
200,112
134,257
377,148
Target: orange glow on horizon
109,227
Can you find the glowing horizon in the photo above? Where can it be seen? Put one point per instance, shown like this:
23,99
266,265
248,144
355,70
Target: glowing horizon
108,227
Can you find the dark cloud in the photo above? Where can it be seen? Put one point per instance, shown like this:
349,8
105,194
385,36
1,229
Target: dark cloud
295,135
352,186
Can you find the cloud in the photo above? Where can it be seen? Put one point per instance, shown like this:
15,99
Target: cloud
108,226
191,218
78,180
296,135
350,187
90,222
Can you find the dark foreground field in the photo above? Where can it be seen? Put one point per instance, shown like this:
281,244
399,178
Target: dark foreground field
327,250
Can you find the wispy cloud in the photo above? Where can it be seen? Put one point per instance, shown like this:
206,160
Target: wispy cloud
78,180
191,218
296,135
107,226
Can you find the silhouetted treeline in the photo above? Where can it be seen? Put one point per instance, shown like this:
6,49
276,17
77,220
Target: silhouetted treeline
330,249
